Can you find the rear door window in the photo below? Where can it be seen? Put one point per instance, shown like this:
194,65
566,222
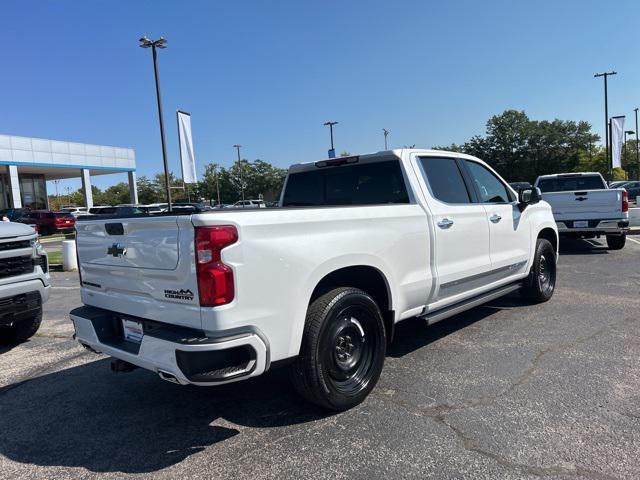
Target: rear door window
445,179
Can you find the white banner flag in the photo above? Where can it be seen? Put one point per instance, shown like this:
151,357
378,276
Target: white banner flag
187,155
617,140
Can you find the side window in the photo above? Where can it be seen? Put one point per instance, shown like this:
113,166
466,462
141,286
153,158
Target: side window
445,180
489,187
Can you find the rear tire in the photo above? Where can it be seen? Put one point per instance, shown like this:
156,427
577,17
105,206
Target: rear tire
23,329
616,242
343,349
541,282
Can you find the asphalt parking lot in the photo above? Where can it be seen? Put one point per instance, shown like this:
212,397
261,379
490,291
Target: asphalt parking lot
502,391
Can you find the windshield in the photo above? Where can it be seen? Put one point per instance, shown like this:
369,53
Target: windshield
569,184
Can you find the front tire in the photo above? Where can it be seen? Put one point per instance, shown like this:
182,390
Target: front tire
616,242
23,329
541,282
343,349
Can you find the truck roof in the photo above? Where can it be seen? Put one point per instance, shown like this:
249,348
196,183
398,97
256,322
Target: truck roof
380,156
569,175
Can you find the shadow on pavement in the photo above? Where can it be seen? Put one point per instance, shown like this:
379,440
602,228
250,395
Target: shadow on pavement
414,333
571,246
86,416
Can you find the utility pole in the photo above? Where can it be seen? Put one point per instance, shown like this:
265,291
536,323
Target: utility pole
155,44
237,147
386,134
606,114
332,152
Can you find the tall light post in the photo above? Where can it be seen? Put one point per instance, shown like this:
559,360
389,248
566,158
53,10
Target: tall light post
154,45
606,110
237,147
332,152
637,145
56,182
386,134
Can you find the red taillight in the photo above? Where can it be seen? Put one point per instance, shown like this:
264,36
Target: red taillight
625,201
215,279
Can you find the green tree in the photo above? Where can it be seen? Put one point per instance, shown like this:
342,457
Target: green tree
520,149
147,191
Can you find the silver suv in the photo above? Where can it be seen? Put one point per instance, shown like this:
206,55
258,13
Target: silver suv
24,282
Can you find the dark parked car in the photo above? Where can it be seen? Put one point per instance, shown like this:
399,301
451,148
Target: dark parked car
633,189
118,210
517,186
14,214
47,222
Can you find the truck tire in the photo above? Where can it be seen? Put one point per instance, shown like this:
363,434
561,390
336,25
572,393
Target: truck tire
24,329
343,349
616,242
541,282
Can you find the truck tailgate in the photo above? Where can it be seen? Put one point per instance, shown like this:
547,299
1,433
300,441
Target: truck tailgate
585,205
140,266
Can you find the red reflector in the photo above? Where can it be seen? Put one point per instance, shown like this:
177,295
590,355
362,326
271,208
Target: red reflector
625,202
215,279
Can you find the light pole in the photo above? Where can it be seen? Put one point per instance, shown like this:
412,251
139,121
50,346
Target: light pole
56,182
637,146
237,147
332,152
606,110
386,134
154,45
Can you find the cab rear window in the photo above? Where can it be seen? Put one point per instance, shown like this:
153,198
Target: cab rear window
568,184
359,184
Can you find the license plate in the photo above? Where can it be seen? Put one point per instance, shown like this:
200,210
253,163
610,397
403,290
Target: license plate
132,330
581,224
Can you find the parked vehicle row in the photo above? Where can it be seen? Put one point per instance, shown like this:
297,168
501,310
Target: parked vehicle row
585,207
316,284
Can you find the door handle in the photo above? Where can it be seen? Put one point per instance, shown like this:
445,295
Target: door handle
495,218
445,223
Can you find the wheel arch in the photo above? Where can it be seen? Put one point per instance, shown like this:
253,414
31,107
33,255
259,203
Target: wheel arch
366,278
550,234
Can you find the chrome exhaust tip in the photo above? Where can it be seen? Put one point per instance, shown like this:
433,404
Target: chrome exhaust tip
169,377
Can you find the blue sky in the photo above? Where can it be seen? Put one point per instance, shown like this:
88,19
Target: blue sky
268,74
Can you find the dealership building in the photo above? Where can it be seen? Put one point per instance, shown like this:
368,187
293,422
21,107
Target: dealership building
26,164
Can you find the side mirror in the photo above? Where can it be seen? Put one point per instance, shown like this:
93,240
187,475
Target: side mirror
529,196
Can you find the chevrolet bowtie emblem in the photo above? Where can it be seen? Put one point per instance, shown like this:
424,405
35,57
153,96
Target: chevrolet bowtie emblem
117,250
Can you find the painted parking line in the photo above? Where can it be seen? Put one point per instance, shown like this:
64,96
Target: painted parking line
633,240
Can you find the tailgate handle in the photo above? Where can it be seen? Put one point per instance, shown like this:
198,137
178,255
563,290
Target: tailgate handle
114,228
580,193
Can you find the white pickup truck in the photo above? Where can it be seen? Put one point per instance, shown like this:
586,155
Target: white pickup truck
357,245
584,207
24,282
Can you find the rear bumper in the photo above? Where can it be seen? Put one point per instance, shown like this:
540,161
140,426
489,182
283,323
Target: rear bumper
603,227
178,354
